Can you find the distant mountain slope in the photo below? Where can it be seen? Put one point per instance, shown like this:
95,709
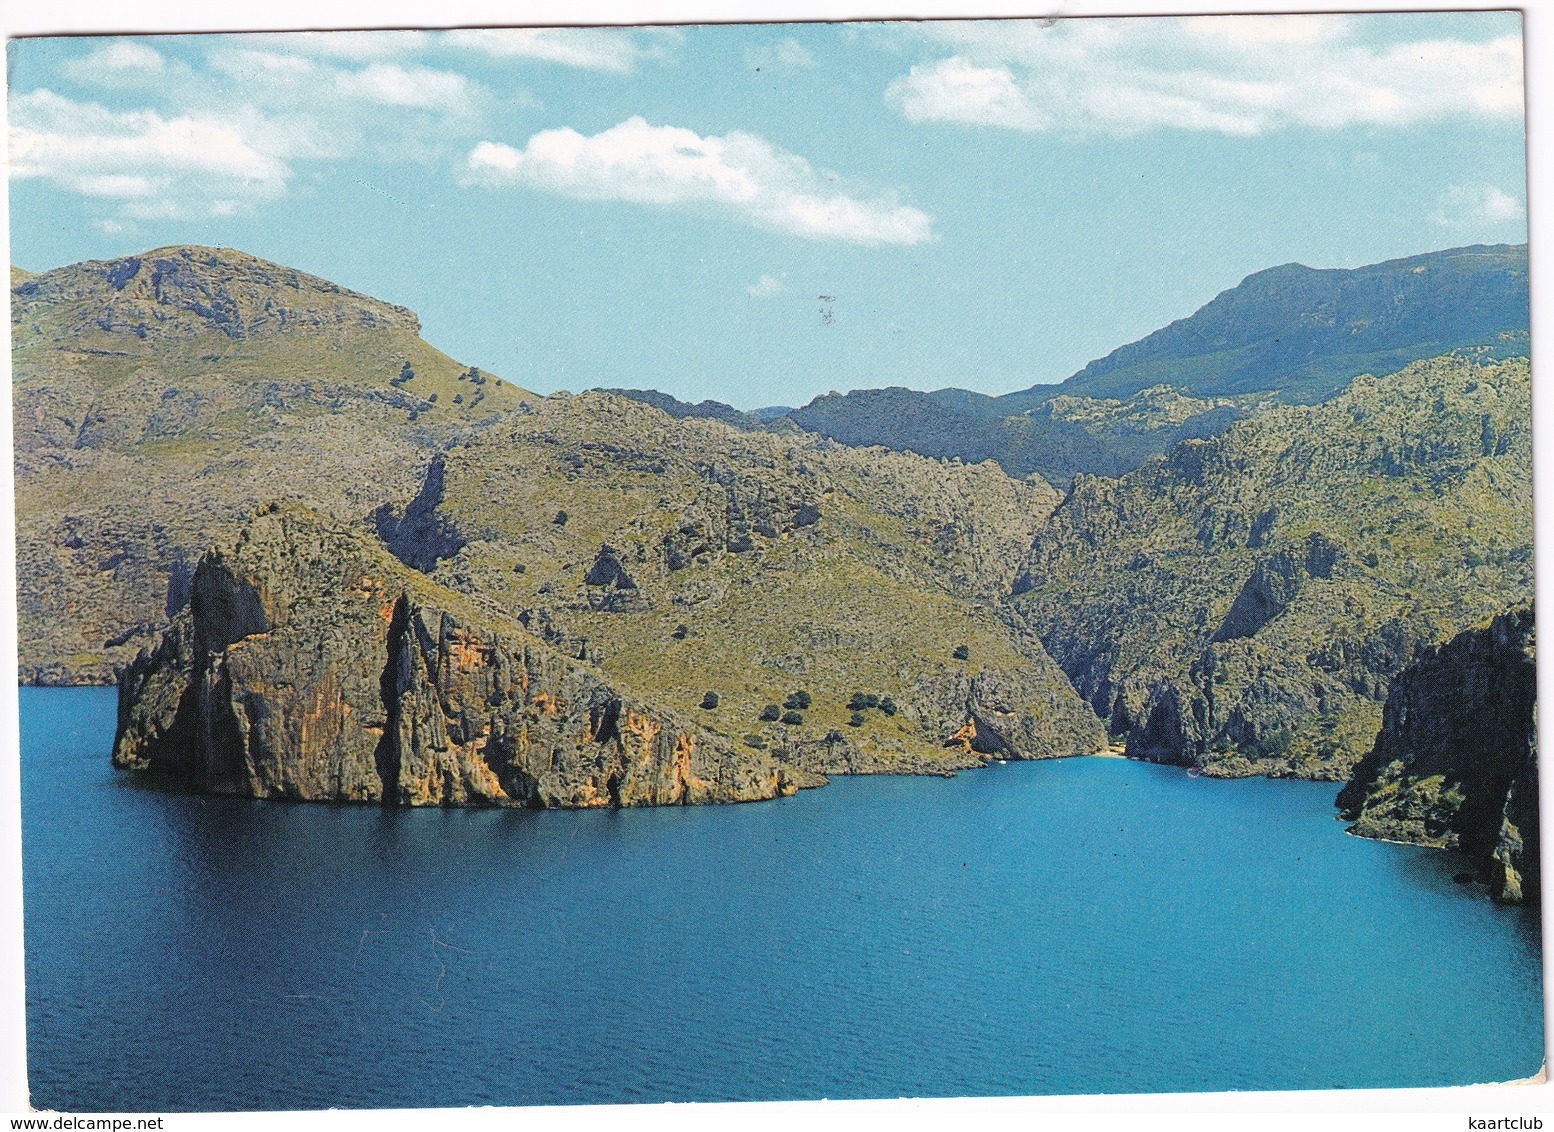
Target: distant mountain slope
1303,332
1244,604
685,410
1292,332
158,399
1057,439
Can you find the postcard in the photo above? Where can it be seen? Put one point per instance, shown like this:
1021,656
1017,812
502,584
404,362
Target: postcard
774,561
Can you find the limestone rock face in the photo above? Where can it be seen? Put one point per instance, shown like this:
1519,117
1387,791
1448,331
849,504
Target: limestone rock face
311,665
1456,763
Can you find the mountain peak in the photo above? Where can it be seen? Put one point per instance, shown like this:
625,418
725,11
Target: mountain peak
1303,332
185,291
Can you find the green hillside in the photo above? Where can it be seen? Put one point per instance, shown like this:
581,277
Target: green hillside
158,400
1244,603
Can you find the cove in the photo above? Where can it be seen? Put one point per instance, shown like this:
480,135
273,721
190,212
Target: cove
1075,926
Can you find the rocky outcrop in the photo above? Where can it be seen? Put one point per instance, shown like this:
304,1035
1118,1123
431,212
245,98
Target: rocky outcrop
420,537
311,665
1456,762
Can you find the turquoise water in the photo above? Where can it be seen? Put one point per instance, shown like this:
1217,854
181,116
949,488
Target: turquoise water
1082,926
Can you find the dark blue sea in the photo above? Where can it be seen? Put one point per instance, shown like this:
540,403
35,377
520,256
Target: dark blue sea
1082,926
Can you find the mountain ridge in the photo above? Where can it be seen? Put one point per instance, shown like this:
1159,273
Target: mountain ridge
1278,321
1242,603
1289,332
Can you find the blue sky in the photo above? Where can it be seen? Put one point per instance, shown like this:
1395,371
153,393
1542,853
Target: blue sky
763,213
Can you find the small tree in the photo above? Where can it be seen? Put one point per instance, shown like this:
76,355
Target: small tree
863,701
561,519
856,719
771,713
962,652
887,705
798,701
709,701
792,718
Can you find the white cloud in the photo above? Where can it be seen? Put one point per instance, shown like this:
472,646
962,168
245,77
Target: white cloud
787,53
953,90
303,106
150,165
594,49
250,65
118,63
738,173
298,82
766,287
1462,206
392,85
1230,74
243,117
1264,30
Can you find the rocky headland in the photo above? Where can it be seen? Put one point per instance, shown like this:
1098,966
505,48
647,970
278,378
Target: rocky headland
309,664
1455,762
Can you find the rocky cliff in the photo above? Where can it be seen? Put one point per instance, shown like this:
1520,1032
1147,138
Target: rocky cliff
1456,762
311,665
